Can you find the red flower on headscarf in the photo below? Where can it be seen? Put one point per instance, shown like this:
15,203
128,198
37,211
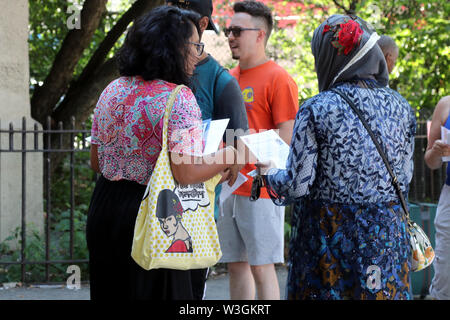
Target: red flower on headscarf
346,36
326,29
350,35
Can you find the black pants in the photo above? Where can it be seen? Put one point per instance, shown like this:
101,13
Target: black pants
109,233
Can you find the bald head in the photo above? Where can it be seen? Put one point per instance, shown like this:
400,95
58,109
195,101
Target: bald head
390,51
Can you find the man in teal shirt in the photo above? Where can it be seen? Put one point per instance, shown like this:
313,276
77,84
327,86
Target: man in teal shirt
218,95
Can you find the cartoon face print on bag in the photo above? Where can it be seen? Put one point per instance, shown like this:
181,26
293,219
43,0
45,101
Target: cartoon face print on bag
169,212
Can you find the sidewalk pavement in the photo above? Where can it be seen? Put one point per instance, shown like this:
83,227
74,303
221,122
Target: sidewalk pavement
217,288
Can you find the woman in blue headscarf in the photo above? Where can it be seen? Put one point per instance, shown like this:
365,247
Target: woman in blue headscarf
349,233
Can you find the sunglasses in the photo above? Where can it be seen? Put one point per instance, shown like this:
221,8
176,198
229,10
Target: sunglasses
237,31
199,47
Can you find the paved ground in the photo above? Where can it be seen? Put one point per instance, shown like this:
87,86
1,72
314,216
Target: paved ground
217,289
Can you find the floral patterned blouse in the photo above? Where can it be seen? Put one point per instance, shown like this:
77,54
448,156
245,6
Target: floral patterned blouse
128,125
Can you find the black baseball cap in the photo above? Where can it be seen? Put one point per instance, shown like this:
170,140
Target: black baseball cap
203,7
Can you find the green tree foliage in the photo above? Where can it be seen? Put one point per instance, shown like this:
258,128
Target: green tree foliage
420,28
71,65
48,28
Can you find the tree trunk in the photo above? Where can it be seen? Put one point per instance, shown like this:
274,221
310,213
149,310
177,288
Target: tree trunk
80,102
82,95
55,85
79,106
137,9
80,87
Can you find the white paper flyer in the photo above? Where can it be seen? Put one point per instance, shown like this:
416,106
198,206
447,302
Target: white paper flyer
227,190
268,146
213,133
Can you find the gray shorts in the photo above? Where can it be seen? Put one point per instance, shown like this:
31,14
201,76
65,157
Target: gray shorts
251,231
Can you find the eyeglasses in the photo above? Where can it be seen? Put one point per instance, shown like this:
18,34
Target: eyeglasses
199,46
179,4
237,31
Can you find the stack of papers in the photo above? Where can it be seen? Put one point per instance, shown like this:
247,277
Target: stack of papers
212,134
267,146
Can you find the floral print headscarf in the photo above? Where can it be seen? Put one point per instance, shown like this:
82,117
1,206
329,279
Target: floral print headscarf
345,48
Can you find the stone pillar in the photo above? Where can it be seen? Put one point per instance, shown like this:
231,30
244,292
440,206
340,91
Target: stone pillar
14,105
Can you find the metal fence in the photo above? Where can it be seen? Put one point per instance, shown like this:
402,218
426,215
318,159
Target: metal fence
51,153
425,186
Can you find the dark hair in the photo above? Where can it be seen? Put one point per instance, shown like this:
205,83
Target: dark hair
258,10
168,204
156,46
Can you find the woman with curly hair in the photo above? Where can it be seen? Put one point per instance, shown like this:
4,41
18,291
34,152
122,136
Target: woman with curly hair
159,53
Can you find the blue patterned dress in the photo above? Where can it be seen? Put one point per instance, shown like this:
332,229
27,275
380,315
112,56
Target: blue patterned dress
349,238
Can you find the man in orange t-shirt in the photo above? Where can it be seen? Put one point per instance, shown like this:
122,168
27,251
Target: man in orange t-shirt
271,101
251,234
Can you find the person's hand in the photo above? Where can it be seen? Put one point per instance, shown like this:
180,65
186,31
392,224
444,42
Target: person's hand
441,149
233,172
225,176
230,174
264,166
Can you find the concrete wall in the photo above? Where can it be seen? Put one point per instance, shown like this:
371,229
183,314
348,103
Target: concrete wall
14,105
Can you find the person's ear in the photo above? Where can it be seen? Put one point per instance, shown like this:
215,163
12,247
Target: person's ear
389,62
388,58
203,23
261,36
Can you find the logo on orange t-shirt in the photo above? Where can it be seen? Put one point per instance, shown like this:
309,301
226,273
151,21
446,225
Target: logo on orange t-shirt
249,98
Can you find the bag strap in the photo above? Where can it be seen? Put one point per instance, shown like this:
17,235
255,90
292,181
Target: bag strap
167,112
394,180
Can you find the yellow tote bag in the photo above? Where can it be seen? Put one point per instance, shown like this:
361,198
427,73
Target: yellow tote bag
175,227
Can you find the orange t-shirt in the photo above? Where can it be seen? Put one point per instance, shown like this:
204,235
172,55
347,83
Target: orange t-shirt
271,97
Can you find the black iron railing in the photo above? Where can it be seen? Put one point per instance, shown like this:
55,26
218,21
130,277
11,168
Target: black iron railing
66,143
